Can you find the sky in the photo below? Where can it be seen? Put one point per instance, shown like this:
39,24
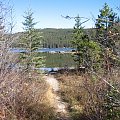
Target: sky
47,13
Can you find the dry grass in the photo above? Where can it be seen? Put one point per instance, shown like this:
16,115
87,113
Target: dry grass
71,91
23,99
85,95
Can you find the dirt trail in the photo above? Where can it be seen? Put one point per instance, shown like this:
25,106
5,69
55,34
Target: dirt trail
55,100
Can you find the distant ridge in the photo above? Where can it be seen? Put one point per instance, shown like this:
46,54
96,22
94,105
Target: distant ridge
52,37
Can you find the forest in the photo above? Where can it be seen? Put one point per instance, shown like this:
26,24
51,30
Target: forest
52,38
88,90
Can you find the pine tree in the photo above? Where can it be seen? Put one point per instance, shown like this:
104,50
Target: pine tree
30,41
107,36
104,24
106,33
87,51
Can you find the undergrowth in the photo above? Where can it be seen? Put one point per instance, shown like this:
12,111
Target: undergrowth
89,97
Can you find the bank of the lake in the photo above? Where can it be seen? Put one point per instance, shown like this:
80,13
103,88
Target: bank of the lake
54,57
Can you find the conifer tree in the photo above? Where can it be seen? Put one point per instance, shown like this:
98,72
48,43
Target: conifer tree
86,49
105,34
30,41
104,25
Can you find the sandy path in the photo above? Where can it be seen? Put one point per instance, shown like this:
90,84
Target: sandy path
52,82
57,103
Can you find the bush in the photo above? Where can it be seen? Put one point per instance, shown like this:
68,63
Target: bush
90,98
22,99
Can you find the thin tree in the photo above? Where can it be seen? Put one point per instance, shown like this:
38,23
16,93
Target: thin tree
31,41
86,49
106,33
107,36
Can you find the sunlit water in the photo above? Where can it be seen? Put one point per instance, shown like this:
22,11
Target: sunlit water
55,58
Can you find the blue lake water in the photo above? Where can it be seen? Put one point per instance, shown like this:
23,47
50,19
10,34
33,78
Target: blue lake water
55,50
17,50
44,50
49,69
60,59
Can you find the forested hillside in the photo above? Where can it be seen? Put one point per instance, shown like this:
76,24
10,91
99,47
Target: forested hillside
55,38
52,38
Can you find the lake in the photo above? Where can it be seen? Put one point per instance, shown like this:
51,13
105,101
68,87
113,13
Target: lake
51,50
58,60
54,57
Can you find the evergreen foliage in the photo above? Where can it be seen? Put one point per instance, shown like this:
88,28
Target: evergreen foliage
87,51
53,38
104,25
106,34
56,38
30,41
